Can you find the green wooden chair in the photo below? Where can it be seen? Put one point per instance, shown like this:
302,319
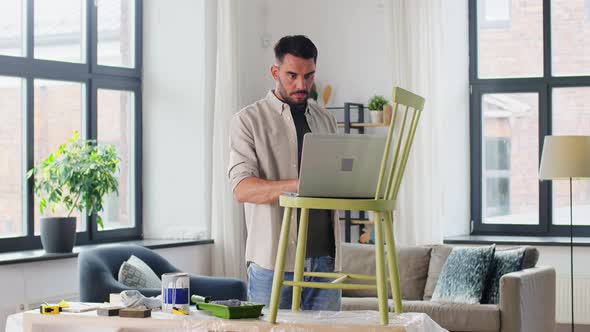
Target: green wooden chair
382,205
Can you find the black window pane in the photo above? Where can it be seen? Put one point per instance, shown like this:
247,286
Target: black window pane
571,116
60,30
497,153
58,113
116,32
570,37
509,38
11,147
497,196
11,28
116,110
509,175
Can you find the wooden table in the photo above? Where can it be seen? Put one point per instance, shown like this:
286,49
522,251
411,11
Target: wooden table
329,321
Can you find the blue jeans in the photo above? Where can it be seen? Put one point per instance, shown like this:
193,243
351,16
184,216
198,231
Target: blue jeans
260,286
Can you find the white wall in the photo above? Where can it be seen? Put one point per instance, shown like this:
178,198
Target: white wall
32,283
176,123
351,37
456,192
559,258
253,67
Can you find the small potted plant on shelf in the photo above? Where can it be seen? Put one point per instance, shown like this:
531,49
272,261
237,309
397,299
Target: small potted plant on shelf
76,177
375,106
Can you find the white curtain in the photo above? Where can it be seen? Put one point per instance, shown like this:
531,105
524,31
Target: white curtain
228,227
430,56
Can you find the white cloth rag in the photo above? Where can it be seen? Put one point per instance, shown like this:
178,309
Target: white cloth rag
134,299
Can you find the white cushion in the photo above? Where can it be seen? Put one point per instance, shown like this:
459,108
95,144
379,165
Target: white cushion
137,274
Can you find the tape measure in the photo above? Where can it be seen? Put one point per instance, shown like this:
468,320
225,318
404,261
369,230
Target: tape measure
179,311
53,309
47,309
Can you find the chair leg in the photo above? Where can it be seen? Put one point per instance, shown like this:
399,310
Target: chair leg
380,270
300,259
277,281
392,262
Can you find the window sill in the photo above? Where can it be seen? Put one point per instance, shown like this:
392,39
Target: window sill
28,256
553,241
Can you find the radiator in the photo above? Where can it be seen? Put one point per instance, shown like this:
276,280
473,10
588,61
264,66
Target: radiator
581,299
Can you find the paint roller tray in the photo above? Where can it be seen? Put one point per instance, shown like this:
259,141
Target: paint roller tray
245,310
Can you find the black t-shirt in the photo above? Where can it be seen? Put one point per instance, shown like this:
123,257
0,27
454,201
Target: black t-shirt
320,230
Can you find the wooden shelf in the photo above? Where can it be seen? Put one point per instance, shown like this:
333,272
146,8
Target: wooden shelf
362,222
367,124
354,221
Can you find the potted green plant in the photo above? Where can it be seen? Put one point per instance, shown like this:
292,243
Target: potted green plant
375,106
76,177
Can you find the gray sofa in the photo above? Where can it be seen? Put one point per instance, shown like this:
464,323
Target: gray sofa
527,297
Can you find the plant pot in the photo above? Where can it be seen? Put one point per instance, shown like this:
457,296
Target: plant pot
376,116
387,111
58,234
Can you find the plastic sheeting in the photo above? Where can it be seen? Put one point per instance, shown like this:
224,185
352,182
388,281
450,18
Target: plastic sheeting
200,321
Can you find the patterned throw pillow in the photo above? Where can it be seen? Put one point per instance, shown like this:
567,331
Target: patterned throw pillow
505,261
464,274
137,274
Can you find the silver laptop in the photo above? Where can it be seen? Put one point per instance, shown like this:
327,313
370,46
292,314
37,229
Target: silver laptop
340,165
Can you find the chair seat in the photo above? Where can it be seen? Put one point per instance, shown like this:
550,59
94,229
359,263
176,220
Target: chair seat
353,204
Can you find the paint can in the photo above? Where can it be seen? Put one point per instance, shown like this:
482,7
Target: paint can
175,291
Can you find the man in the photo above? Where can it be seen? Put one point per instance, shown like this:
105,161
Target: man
266,141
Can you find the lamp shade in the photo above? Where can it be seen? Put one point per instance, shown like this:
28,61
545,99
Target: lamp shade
565,157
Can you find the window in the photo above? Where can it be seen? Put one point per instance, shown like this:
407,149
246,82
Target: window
11,128
495,13
68,65
528,79
571,116
115,32
11,27
497,172
510,131
570,38
58,109
116,110
497,197
59,30
511,50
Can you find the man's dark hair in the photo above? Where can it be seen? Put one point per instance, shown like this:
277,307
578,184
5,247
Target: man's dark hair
299,46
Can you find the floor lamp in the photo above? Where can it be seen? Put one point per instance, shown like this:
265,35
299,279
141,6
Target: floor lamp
566,158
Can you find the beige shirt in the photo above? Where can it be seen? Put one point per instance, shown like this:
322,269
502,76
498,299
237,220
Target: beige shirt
263,144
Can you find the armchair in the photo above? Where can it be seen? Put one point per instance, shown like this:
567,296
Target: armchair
98,270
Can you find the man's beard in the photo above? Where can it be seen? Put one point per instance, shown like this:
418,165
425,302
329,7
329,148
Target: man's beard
286,97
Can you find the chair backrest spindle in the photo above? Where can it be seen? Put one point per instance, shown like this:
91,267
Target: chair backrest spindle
414,105
396,154
386,155
409,141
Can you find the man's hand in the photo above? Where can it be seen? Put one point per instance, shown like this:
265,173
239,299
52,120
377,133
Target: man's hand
259,191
